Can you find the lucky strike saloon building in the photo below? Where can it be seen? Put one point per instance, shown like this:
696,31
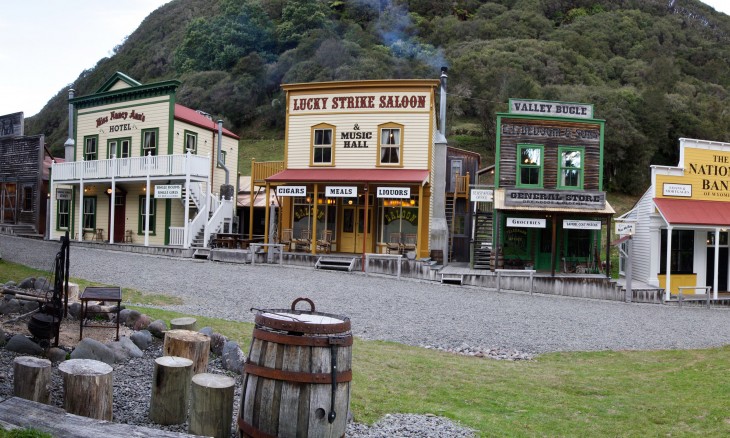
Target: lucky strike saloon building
549,201
141,168
685,214
358,163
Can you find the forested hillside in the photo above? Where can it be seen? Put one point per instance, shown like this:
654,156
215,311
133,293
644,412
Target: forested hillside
656,70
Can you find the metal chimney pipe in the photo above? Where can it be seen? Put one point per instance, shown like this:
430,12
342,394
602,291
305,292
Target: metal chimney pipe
220,145
69,145
442,118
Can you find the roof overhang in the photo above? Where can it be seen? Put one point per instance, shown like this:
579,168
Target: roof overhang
694,213
377,176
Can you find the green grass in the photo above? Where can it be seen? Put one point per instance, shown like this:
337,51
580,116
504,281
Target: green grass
612,393
15,272
269,149
23,433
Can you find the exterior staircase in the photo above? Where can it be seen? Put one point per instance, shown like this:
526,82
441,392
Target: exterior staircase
483,224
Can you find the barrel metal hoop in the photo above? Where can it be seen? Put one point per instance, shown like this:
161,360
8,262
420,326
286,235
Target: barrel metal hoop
251,430
303,327
304,341
296,376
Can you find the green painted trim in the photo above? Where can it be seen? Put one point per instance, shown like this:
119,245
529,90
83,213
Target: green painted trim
185,141
518,182
93,215
600,158
96,154
498,152
171,126
58,214
140,216
581,180
118,76
554,119
118,150
168,214
106,110
126,94
157,141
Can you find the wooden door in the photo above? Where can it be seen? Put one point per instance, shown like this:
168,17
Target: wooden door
120,203
353,230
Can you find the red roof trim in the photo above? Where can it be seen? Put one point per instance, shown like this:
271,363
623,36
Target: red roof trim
400,176
193,117
694,212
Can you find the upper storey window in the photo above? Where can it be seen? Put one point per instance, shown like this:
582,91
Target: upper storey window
529,165
571,168
149,141
91,148
323,153
390,144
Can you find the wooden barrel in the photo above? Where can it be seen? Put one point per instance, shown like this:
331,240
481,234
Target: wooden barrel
297,378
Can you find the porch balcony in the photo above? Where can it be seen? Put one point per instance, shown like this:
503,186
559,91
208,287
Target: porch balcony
132,168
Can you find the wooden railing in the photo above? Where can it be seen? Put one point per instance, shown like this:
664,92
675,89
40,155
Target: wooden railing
261,171
461,187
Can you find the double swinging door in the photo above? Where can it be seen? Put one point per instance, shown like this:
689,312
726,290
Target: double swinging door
353,235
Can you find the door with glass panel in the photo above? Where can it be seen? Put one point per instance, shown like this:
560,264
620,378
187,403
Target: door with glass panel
353,235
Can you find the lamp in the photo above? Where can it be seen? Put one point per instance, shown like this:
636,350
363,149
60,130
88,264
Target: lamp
109,191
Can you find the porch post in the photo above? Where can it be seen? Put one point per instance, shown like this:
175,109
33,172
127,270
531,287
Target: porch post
251,198
315,210
112,199
81,200
554,251
266,216
667,283
186,207
365,230
608,247
147,204
419,226
716,275
51,221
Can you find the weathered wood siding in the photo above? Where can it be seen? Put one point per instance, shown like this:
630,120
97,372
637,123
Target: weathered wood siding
21,164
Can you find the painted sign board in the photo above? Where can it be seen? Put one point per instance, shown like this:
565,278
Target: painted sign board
291,190
63,194
555,199
482,195
526,222
678,190
168,191
394,192
704,176
574,224
625,228
550,109
340,191
11,125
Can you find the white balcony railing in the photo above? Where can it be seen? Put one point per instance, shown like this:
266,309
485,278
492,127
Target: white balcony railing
136,167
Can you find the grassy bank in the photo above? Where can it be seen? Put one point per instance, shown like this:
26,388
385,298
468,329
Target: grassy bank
621,393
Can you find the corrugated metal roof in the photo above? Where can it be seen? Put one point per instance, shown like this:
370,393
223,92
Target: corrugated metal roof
694,212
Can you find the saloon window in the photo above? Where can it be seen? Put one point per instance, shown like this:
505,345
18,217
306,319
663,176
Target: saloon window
571,168
149,141
90,147
529,166
322,145
390,144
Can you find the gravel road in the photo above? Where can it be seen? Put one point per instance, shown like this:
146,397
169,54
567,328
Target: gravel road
408,311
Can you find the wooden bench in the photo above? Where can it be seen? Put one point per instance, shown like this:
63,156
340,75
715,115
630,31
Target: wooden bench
20,413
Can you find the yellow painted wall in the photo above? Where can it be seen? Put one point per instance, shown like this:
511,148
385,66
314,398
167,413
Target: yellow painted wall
678,280
706,171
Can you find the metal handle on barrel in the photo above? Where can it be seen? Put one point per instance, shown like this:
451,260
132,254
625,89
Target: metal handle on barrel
295,302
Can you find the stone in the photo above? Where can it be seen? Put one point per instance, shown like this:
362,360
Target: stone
8,306
2,337
142,322
28,306
73,291
131,347
207,331
90,348
233,357
42,284
129,317
157,328
55,354
124,349
23,345
217,341
74,310
142,339
27,283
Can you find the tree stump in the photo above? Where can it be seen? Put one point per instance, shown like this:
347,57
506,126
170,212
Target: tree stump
170,389
32,379
183,324
190,345
211,405
87,386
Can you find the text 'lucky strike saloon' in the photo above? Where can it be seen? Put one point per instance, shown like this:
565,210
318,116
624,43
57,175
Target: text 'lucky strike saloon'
549,199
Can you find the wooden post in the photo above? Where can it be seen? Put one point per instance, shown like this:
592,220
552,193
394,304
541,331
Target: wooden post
170,389
32,379
188,344
211,405
183,324
87,388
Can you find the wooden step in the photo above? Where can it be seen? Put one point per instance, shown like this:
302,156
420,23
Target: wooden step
340,264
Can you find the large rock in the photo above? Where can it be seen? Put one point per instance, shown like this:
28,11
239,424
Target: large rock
142,339
92,349
207,331
3,341
23,345
42,284
232,357
55,354
129,317
158,328
28,306
217,341
74,310
9,305
124,349
27,283
142,322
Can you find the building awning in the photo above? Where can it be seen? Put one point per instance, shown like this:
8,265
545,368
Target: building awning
378,176
693,212
621,240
